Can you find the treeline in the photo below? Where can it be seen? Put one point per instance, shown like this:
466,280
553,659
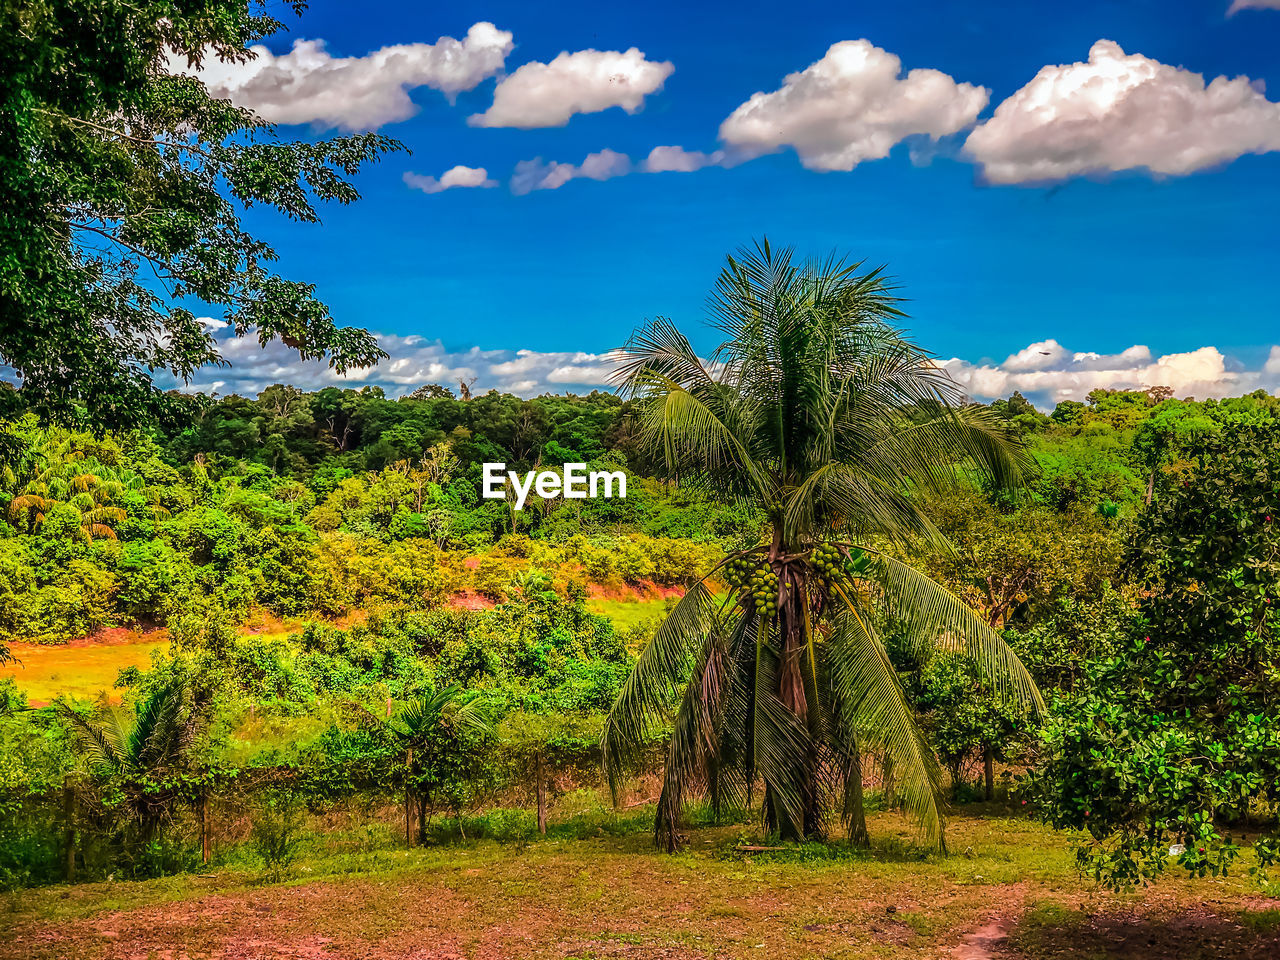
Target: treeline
323,503
440,709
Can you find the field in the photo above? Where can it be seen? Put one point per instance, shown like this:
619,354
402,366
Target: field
1009,890
82,670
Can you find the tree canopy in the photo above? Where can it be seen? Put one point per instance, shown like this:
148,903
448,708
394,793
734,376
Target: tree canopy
124,181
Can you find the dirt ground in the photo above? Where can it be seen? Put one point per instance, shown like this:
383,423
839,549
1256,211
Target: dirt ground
1008,892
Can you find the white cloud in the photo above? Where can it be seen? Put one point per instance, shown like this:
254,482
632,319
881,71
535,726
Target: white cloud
458,176
1238,5
413,361
536,174
309,85
1047,372
1122,112
851,106
1273,362
588,81
679,160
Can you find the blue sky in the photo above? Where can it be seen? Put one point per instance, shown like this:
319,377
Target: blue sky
1099,255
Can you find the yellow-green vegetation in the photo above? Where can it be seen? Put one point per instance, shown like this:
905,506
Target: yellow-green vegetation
630,613
596,888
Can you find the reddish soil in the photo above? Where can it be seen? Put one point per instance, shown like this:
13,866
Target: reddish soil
119,636
470,600
643,590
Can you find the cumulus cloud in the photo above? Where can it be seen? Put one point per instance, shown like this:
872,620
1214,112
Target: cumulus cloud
412,362
1048,372
309,85
1273,362
850,106
588,81
1045,372
1122,112
1238,5
672,159
537,174
458,176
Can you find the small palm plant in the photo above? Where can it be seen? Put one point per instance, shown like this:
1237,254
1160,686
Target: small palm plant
824,416
436,732
141,759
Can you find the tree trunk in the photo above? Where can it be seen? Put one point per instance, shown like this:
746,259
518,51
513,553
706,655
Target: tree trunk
69,825
542,795
422,821
1151,486
887,785
988,758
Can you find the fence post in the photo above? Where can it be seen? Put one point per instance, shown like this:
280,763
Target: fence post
542,795
988,771
69,825
204,825
408,801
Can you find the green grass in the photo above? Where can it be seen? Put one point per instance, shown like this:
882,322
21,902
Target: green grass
627,614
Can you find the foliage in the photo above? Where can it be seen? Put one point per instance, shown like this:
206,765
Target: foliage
824,417
143,765
1173,739
965,720
124,179
276,831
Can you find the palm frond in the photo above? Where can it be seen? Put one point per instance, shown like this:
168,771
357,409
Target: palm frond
694,746
935,617
874,709
643,705
102,744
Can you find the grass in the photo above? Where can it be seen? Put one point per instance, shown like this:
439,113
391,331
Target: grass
629,613
83,670
588,892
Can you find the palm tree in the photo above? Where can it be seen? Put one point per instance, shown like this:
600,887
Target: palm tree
434,732
819,412
144,752
56,470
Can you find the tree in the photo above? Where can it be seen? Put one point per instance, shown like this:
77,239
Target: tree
123,180
1160,436
1015,563
1174,738
438,735
820,413
142,763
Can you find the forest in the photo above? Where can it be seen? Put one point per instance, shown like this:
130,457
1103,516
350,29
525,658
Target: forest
444,640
